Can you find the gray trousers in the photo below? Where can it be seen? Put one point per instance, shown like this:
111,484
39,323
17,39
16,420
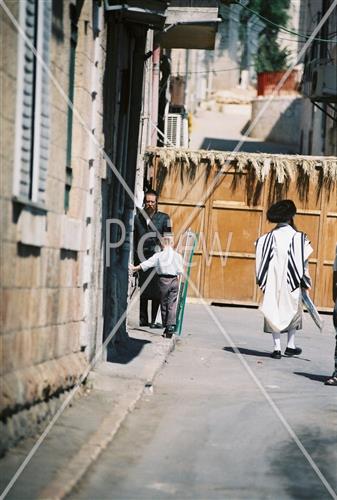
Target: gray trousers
335,325
168,288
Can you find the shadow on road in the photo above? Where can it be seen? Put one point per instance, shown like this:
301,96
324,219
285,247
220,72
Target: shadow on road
312,376
299,479
248,352
212,143
124,353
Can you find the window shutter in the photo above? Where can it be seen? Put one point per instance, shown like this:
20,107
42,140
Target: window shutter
33,123
41,162
27,101
173,128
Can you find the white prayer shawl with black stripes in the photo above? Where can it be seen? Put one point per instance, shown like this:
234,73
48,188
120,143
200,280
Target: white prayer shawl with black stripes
281,257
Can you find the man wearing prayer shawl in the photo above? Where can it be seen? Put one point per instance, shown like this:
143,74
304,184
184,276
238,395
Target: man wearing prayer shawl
281,271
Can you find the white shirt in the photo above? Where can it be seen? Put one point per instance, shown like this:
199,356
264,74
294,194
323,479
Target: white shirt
168,261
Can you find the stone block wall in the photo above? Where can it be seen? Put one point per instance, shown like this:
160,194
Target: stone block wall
51,284
280,122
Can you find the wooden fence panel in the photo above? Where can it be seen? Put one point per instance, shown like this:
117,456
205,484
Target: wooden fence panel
232,215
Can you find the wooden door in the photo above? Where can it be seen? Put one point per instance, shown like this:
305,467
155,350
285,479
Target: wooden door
231,219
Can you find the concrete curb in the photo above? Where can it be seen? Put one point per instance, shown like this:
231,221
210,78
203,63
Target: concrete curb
68,477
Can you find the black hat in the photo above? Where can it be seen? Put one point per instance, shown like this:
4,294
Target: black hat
282,211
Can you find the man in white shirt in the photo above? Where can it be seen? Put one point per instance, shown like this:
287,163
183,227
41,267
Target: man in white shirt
169,265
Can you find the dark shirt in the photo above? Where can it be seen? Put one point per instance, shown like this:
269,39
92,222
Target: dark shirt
142,232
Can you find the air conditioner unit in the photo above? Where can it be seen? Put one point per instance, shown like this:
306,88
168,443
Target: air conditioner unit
176,130
323,83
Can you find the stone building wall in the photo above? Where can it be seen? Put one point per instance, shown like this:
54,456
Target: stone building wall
51,258
227,51
318,130
280,123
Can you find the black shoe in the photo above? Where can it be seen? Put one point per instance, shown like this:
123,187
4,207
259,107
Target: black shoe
292,352
143,323
331,381
167,335
156,325
276,355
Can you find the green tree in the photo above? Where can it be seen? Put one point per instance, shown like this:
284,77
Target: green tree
270,56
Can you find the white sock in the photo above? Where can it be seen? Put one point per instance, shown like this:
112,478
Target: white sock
291,339
277,341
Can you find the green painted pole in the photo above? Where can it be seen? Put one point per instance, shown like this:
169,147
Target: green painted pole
183,291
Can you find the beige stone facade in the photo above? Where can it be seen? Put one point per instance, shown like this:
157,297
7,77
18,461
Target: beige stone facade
51,272
60,297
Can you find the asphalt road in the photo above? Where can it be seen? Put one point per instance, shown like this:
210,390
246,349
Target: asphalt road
214,424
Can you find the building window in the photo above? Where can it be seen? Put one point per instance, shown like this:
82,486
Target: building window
32,109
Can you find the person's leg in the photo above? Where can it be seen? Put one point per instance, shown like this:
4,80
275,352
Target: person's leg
291,349
277,346
143,317
334,317
154,310
333,379
277,341
163,300
334,375
172,305
291,339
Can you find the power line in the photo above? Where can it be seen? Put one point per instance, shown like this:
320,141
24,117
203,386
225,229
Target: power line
213,70
302,35
259,31
279,37
183,73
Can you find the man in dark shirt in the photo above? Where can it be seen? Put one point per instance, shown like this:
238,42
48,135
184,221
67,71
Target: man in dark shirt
148,228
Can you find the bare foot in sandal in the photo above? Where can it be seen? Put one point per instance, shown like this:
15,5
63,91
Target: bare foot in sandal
331,381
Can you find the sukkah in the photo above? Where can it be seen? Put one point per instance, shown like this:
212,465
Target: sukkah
282,169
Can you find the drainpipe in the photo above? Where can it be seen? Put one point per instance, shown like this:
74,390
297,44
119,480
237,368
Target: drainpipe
149,90
155,93
187,89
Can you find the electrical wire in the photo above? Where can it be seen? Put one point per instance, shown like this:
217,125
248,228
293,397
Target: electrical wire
302,35
259,31
278,37
213,70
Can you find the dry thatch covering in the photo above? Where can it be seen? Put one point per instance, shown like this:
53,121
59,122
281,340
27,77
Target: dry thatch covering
282,169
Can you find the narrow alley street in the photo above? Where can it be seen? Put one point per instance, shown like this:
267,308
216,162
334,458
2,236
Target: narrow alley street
207,432
169,191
